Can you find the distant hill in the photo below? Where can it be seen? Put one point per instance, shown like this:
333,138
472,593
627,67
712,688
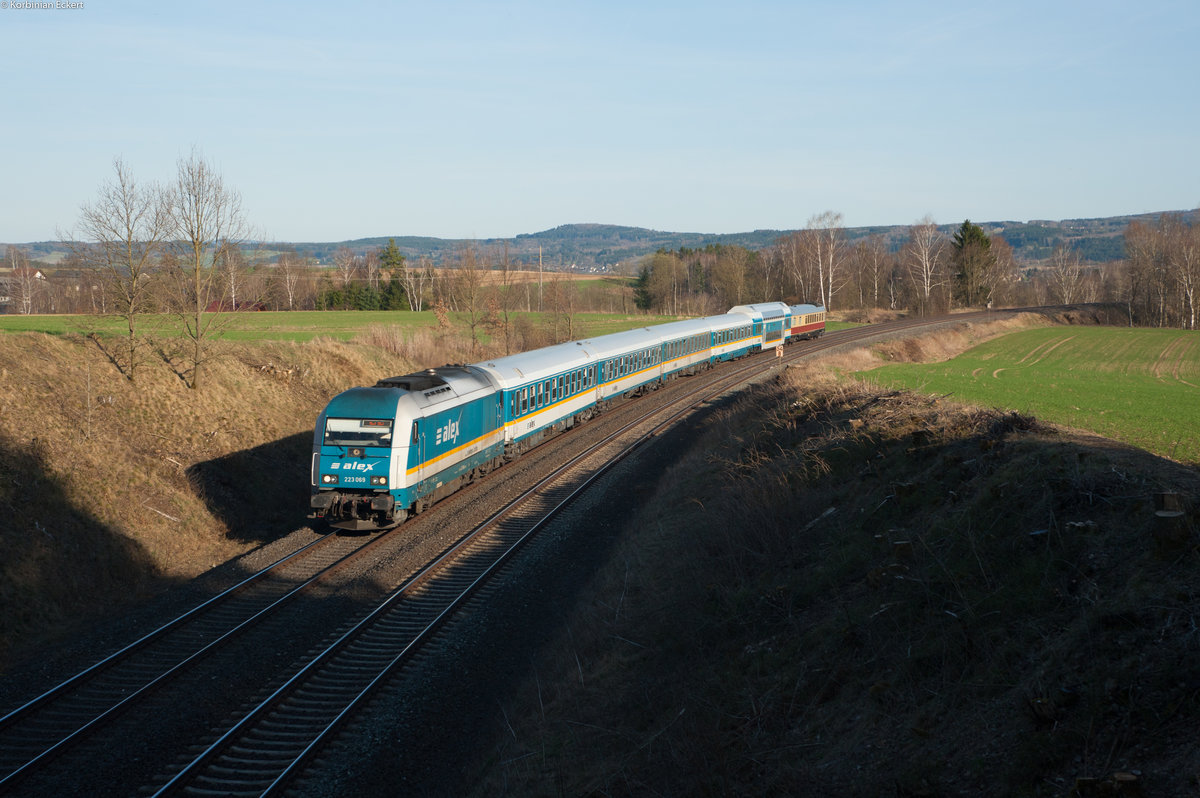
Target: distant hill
608,247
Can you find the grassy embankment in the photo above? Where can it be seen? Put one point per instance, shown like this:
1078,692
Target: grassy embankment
843,589
112,490
305,325
1139,386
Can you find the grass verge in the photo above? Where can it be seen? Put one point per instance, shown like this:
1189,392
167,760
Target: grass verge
1136,385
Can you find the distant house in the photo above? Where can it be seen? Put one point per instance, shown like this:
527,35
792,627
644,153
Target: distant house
11,285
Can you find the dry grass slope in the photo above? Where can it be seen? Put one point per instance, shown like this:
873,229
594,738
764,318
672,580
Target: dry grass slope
847,591
110,490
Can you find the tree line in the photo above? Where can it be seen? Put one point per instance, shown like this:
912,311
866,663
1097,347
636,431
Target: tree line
929,272
185,248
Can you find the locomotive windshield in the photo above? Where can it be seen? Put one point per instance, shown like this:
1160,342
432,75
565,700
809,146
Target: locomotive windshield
358,432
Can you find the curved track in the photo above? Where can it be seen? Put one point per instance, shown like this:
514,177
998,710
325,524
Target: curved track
262,748
270,744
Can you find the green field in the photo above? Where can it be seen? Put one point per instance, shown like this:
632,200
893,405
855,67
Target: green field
302,325
1138,386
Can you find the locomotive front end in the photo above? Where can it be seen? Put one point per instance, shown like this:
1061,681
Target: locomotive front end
357,461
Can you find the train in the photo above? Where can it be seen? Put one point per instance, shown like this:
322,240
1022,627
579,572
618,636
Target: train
386,452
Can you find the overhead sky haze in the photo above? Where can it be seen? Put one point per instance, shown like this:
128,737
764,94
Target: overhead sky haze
482,120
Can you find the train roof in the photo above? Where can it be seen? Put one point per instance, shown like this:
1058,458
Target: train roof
439,385
536,365
805,308
767,310
363,403
673,330
623,342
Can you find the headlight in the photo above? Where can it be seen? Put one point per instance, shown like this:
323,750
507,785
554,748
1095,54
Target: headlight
378,480
329,479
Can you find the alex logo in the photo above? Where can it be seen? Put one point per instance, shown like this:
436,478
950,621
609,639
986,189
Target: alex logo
448,433
358,466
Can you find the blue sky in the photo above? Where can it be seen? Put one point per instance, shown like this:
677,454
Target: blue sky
480,120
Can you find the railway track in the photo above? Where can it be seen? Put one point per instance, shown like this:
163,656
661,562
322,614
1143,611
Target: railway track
260,751
38,730
270,744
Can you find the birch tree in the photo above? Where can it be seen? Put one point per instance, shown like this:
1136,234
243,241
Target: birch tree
123,232
826,248
924,256
25,281
1067,274
208,218
1182,246
289,270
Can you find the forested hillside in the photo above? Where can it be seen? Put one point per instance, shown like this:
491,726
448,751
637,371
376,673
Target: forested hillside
610,247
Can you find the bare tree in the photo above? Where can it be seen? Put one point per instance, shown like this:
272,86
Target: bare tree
1181,242
503,298
729,275
416,280
233,269
667,283
469,292
1067,274
999,280
564,300
345,264
873,262
789,251
824,246
25,283
290,268
124,231
924,257
209,220
370,267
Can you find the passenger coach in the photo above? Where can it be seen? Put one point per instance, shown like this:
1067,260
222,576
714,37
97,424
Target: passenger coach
385,452
806,321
